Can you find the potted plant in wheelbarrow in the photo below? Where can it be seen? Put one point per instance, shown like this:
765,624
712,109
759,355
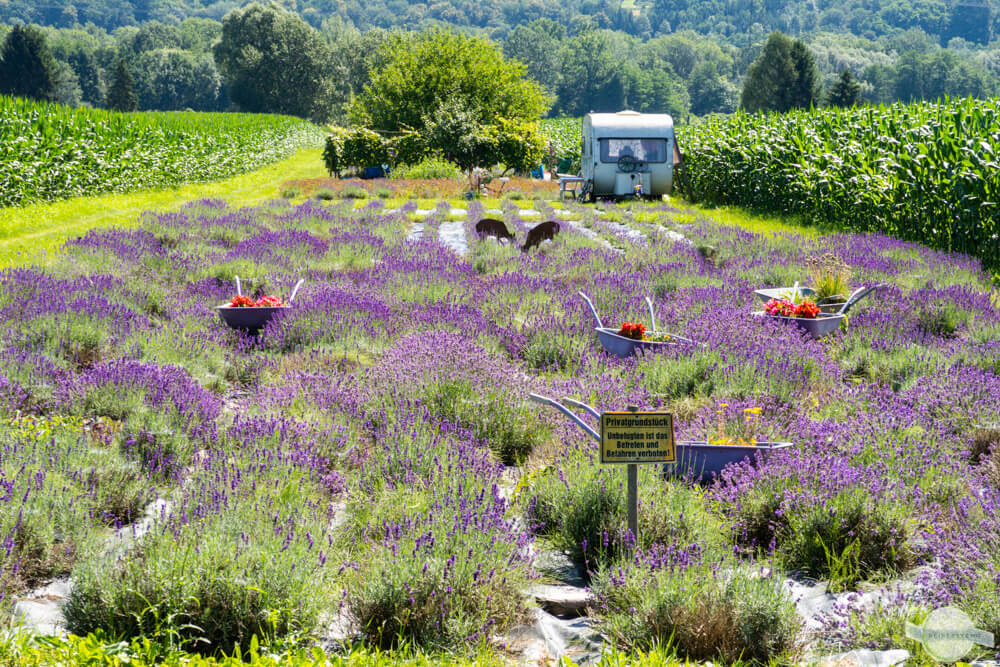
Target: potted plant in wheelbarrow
250,315
831,276
632,336
794,307
730,439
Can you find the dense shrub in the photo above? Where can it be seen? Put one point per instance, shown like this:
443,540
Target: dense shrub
428,572
845,539
429,167
440,370
517,145
64,488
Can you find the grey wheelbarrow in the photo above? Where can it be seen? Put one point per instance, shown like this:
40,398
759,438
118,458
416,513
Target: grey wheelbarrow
623,346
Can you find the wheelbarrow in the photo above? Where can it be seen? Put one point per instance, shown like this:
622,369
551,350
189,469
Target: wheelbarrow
622,346
699,460
830,304
252,318
826,322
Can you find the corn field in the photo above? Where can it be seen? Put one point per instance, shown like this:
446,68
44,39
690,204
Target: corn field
924,172
563,134
48,151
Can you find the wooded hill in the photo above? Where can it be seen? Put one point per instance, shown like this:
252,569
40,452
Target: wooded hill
739,21
678,56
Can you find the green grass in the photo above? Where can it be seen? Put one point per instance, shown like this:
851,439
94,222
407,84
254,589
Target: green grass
26,233
100,650
759,223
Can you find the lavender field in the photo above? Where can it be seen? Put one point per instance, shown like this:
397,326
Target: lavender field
369,470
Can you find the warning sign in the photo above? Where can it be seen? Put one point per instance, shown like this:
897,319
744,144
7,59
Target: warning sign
637,437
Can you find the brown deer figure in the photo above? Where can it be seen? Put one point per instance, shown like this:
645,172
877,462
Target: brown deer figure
495,228
546,231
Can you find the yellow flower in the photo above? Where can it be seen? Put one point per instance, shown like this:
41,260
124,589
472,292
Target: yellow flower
753,411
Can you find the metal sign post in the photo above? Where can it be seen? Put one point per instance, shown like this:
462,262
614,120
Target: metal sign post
629,438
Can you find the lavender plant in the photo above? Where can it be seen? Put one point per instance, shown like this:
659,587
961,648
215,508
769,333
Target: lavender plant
360,458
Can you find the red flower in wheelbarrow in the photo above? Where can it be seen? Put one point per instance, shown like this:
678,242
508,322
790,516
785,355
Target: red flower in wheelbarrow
633,330
264,302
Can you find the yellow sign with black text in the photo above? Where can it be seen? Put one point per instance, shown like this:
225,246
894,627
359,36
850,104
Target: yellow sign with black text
637,437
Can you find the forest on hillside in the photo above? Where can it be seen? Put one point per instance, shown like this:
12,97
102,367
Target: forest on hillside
679,56
736,20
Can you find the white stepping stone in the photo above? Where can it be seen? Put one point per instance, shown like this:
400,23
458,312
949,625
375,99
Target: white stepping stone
452,235
416,231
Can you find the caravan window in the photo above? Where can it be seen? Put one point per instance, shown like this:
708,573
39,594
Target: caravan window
644,150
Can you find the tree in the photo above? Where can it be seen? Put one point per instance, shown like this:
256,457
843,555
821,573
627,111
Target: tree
455,132
272,60
805,91
27,68
88,74
928,76
67,85
428,68
538,50
170,80
970,20
357,55
153,36
846,92
708,91
593,77
121,95
656,90
782,78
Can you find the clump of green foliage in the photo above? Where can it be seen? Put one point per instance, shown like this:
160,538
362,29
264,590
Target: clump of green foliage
429,167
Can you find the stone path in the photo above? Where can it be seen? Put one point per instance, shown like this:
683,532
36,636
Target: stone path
40,611
592,235
630,233
451,233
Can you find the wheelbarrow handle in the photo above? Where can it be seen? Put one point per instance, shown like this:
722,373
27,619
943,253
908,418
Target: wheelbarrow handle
593,311
687,340
859,294
652,315
239,288
295,290
545,400
583,406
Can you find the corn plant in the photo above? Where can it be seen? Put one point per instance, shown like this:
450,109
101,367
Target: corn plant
925,172
49,151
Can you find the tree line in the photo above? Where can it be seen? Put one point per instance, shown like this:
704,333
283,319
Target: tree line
264,58
736,21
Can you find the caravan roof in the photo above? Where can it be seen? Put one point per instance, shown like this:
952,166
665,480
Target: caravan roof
631,124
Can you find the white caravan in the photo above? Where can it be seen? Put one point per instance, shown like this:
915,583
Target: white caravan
628,154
